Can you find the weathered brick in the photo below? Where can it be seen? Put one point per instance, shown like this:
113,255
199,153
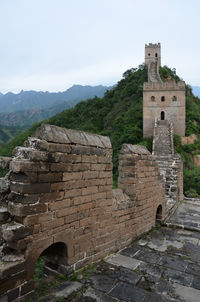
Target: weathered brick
25,188
105,174
89,159
53,147
72,176
15,231
104,159
90,174
52,224
98,167
20,198
82,199
25,177
68,167
66,211
25,165
50,177
89,190
85,206
73,193
30,154
24,210
38,218
68,185
105,188
65,203
65,158
49,197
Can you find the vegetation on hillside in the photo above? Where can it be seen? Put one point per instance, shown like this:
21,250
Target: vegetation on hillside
119,115
8,133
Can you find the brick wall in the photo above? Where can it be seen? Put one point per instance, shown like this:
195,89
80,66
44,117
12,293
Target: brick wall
61,192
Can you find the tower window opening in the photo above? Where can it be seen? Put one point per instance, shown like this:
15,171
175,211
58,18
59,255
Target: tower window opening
156,55
174,99
162,115
149,54
153,98
162,98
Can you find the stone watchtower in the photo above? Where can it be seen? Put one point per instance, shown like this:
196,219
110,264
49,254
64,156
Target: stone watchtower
161,100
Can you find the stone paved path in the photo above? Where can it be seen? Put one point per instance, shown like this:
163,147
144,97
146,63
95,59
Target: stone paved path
187,215
163,266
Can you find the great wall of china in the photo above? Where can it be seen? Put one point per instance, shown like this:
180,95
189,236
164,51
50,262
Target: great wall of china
57,199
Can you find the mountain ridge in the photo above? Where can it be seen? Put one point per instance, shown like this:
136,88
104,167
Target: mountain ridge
27,100
54,103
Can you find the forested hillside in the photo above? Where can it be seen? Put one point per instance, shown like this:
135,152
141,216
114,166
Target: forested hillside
119,115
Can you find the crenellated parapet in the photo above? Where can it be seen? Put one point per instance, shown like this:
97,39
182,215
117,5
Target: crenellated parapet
164,86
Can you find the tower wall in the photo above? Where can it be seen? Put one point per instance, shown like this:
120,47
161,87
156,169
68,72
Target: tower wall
166,97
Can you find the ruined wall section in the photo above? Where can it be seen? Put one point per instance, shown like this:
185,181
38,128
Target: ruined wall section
140,180
61,192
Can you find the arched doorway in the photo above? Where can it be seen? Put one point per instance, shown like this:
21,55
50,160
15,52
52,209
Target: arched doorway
159,213
52,261
162,115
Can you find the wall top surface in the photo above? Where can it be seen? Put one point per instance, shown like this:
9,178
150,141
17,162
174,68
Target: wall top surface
60,135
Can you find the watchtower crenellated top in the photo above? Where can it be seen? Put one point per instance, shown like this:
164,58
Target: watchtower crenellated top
153,54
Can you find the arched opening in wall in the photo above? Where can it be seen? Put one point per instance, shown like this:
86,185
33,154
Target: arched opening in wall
162,115
52,261
174,98
159,213
156,55
153,98
162,98
149,54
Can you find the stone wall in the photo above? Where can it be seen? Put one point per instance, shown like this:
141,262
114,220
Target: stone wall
60,204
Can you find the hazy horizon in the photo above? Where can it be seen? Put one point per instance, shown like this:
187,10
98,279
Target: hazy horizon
51,45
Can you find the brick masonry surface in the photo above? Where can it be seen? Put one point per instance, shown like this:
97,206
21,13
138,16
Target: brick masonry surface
57,200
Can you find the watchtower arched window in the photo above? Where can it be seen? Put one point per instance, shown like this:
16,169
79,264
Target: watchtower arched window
156,55
162,98
174,98
149,54
162,115
153,98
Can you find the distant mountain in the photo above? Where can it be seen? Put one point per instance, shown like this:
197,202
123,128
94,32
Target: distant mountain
196,90
32,100
27,118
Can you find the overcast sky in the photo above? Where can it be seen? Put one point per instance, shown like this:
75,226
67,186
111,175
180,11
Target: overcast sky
53,44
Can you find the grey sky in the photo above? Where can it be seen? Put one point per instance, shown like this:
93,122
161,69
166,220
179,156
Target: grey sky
53,44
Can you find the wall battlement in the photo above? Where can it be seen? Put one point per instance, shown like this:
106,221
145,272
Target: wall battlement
162,86
156,45
61,205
